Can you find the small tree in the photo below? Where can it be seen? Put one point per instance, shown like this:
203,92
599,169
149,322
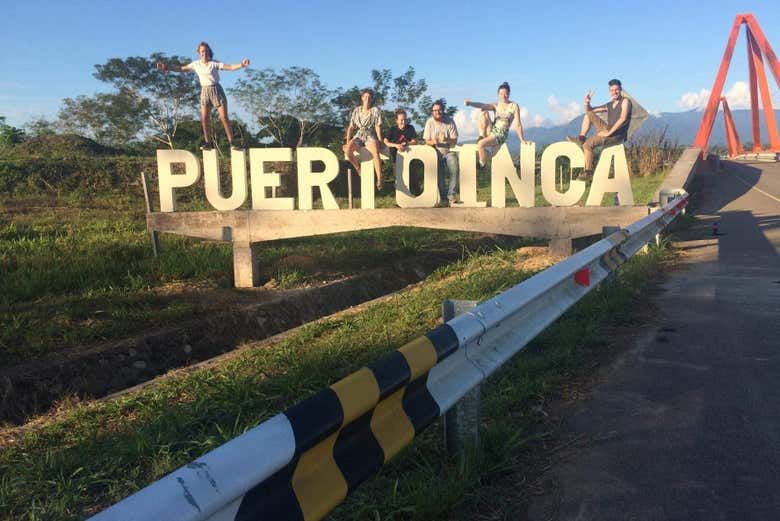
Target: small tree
289,105
40,126
109,118
166,99
403,91
9,135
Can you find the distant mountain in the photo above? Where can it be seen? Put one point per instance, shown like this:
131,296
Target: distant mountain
681,126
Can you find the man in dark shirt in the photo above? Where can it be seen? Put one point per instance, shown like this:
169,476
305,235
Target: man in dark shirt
612,132
401,135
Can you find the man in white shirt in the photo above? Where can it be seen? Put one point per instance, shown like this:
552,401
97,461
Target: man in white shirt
442,134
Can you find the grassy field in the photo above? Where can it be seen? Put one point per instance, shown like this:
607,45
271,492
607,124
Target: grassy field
80,270
93,455
77,271
75,275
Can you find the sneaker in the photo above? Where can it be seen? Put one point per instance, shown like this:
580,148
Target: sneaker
206,145
586,175
579,140
453,200
236,148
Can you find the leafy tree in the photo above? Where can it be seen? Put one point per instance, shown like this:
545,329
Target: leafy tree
289,105
402,91
166,99
41,126
109,118
9,135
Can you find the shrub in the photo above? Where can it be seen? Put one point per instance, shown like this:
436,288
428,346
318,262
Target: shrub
650,152
58,176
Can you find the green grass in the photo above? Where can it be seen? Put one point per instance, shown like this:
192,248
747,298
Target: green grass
426,483
79,270
72,274
94,455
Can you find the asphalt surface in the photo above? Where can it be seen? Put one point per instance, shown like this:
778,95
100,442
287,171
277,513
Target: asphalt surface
686,424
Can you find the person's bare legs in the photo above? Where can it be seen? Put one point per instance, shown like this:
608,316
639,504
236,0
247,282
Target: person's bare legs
223,117
485,139
373,147
350,149
485,124
482,145
205,114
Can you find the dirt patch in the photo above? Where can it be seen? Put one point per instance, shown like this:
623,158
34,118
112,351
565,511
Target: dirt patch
35,387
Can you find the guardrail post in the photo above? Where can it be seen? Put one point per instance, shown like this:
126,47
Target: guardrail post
155,236
461,422
606,231
666,195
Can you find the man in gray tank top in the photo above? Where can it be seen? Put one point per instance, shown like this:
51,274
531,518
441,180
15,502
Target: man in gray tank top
612,132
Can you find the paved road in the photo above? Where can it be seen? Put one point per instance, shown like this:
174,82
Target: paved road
687,423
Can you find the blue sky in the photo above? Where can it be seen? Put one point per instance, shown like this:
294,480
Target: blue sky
550,52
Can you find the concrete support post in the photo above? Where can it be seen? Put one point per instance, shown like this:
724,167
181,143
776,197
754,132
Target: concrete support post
560,246
245,265
461,422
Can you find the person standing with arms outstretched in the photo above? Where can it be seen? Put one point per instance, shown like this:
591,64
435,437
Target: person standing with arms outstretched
494,133
211,92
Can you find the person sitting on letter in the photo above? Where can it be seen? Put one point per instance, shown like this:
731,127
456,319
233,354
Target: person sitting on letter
366,121
494,133
613,132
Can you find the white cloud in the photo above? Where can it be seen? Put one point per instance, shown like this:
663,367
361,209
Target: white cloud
540,121
738,97
467,121
694,100
565,111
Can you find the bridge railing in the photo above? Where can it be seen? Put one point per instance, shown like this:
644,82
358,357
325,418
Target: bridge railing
300,464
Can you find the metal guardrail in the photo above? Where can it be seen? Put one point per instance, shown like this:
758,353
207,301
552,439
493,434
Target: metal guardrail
300,464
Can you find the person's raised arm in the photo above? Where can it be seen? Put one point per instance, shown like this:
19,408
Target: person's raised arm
477,105
597,109
234,67
164,67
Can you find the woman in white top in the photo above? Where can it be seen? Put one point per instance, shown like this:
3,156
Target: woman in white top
211,92
366,122
494,133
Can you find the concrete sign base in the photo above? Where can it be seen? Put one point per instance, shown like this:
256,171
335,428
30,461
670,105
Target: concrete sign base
245,228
